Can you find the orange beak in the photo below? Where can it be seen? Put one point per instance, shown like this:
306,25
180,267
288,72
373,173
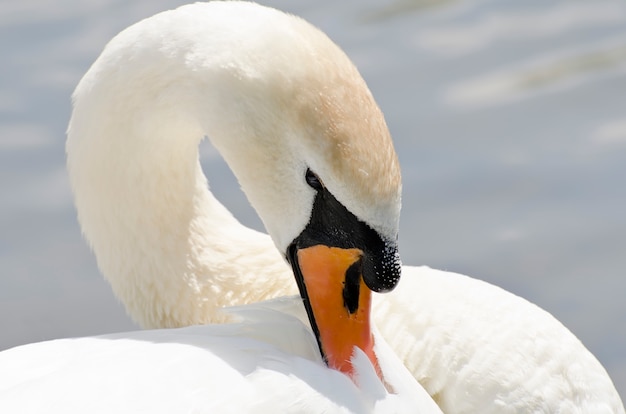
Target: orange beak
339,303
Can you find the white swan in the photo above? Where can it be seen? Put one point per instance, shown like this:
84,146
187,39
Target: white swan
278,99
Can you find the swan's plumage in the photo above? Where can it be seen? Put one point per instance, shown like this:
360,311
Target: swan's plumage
477,348
267,362
275,96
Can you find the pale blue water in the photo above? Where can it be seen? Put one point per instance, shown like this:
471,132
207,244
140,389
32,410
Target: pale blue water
509,118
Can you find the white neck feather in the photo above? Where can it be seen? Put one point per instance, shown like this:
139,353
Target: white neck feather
171,252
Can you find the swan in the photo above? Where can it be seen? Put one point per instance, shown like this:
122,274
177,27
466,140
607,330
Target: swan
296,123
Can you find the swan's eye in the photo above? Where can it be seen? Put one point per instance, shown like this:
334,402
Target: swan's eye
313,180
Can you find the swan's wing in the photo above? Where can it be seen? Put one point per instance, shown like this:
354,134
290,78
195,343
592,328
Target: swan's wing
476,347
238,368
181,370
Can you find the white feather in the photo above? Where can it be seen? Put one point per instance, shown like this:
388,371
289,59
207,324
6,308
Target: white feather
267,362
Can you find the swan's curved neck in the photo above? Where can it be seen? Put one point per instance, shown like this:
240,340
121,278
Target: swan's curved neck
275,96
171,252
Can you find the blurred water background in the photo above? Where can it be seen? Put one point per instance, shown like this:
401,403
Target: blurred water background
509,118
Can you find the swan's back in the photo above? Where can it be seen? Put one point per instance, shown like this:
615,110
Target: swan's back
478,348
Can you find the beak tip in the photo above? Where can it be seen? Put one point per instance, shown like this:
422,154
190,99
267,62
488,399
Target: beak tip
382,274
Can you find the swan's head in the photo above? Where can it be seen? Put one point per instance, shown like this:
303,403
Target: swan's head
296,123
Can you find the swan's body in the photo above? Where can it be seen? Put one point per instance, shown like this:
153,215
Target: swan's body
275,96
267,362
